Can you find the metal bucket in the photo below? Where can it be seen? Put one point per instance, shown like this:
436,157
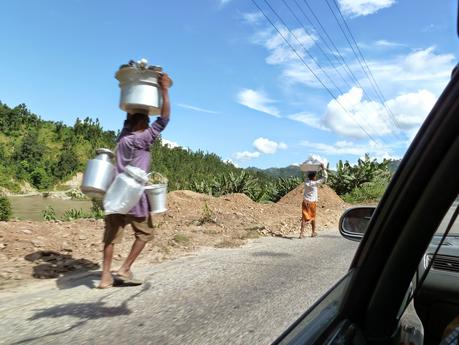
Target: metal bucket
305,167
140,91
99,174
125,191
157,197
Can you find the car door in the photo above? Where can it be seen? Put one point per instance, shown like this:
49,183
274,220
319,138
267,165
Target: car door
364,307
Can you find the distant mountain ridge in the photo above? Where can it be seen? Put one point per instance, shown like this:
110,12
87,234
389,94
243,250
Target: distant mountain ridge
290,171
295,171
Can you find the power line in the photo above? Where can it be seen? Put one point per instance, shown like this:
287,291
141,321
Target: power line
345,65
336,50
368,68
359,59
318,46
309,68
305,50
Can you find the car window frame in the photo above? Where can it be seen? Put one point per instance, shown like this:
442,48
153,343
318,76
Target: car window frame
394,223
373,288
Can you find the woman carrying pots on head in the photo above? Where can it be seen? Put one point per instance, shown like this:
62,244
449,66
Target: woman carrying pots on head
310,197
133,148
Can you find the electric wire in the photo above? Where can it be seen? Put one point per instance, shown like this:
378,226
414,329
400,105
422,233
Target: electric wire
312,72
378,89
361,63
318,46
335,50
305,50
326,55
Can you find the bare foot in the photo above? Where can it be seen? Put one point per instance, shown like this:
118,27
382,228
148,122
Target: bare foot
127,278
123,273
314,234
106,281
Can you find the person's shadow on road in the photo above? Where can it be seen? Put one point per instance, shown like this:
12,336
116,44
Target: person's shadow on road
70,272
84,311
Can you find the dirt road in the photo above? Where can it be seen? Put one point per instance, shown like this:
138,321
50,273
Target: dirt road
246,295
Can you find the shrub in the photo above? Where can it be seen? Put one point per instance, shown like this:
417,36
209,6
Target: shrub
97,209
96,212
207,215
73,214
49,214
75,194
367,192
5,209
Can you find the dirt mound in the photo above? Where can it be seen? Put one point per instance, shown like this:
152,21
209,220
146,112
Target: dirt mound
186,195
239,198
51,249
327,198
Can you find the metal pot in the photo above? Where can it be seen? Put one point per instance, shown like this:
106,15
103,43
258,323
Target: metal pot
125,191
140,91
305,167
157,196
99,174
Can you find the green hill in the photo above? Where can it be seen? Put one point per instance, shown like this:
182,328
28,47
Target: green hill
46,153
290,171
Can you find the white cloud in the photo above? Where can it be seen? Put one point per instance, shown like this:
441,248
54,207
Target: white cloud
246,155
257,100
280,52
169,143
412,108
267,146
263,146
252,17
201,110
387,44
420,69
409,111
355,8
358,113
308,119
340,148
229,161
432,28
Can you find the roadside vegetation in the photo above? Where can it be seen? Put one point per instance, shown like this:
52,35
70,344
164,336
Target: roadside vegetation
365,181
96,212
5,209
45,154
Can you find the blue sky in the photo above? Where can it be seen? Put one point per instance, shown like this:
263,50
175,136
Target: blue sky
239,90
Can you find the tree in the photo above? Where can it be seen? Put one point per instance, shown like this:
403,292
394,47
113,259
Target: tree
349,177
67,163
5,209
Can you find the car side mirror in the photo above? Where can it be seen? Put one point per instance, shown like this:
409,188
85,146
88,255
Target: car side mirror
354,222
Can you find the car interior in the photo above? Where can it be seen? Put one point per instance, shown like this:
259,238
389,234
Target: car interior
434,291
403,284
437,302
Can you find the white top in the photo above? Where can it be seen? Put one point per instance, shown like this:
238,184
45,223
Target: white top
310,188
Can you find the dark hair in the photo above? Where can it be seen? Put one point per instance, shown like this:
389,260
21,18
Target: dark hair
137,118
311,174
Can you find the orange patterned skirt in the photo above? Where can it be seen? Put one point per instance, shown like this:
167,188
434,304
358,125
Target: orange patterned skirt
308,211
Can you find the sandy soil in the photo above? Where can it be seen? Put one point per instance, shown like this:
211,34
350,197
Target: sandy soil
42,250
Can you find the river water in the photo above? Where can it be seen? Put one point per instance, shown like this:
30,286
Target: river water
31,207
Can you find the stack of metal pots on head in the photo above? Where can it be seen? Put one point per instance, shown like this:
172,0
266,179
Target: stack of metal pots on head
140,91
99,174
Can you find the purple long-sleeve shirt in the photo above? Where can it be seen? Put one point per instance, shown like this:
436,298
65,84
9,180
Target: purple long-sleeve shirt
134,149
